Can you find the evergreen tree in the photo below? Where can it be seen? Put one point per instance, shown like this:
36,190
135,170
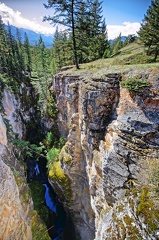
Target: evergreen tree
3,48
61,48
11,53
20,50
42,55
11,59
65,14
107,52
86,30
27,54
91,31
98,33
130,39
117,45
149,31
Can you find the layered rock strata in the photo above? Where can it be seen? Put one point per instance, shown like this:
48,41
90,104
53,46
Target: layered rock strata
111,135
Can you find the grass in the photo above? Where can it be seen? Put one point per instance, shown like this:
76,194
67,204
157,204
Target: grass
131,57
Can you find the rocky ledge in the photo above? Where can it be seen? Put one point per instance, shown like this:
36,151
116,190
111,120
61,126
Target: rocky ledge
109,158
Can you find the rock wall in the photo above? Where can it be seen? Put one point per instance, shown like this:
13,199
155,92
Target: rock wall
15,199
14,216
112,135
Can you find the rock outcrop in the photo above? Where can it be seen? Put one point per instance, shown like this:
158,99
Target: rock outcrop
14,210
18,220
14,216
112,139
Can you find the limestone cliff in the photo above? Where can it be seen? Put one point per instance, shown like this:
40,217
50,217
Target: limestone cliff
14,216
14,210
18,220
110,154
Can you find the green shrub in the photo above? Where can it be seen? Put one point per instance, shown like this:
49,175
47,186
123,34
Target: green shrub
53,140
51,108
28,149
134,84
49,140
53,154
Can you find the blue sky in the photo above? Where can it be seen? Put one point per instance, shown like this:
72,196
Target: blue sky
119,11
122,16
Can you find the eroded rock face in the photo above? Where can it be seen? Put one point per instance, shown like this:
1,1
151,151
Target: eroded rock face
130,147
15,200
14,219
110,135
3,134
85,109
16,111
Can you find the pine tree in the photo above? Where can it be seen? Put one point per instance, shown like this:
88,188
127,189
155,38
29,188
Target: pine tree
27,54
11,53
98,34
149,31
117,45
3,48
91,31
60,48
86,29
65,14
130,39
82,32
20,50
42,54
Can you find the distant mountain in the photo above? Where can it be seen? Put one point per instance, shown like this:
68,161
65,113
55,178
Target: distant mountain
33,36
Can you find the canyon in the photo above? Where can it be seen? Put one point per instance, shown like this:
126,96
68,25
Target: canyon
106,175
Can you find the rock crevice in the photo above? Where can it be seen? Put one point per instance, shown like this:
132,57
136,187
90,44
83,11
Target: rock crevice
111,133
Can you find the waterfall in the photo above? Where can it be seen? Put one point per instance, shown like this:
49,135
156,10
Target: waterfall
49,201
37,170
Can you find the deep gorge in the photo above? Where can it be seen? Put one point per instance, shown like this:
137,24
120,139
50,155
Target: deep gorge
103,174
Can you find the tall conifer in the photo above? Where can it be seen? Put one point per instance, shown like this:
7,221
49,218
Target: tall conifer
65,14
149,31
3,48
27,53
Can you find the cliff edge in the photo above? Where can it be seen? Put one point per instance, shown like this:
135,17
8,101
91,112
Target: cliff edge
109,163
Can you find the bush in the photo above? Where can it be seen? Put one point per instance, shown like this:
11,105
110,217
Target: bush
134,84
51,106
52,155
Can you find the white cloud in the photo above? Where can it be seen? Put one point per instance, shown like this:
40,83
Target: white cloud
18,13
125,29
17,20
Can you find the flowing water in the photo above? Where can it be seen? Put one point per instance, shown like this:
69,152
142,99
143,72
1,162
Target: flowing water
53,204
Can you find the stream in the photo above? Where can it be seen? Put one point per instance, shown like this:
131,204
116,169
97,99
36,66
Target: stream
57,218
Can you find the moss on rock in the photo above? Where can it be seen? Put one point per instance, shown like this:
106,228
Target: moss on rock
57,175
37,192
39,230
147,209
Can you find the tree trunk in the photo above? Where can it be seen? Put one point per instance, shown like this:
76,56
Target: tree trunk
156,54
73,36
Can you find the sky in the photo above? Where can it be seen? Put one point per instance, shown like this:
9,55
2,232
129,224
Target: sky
122,16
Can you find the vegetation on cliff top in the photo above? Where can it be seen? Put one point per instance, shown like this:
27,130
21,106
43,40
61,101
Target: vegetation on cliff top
31,65
22,62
